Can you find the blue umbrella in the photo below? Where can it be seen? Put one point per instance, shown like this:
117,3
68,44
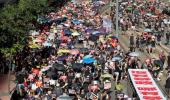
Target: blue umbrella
67,32
87,56
88,60
47,44
76,22
117,58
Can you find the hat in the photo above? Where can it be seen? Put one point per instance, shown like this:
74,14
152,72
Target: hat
107,81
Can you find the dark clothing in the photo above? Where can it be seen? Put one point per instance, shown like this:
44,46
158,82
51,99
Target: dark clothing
132,40
167,85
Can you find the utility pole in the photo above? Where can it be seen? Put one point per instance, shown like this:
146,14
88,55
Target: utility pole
117,18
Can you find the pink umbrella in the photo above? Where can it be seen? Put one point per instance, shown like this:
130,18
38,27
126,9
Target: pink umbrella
74,52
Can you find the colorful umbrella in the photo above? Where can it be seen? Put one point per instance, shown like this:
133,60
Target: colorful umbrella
87,56
88,60
74,52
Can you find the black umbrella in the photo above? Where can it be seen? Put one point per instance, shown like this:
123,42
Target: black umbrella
83,49
93,38
77,65
59,67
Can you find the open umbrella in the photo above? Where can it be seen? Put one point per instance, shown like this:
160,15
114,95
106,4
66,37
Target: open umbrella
96,32
76,22
87,56
47,44
93,37
83,49
77,65
74,52
63,51
148,14
64,97
59,67
147,30
67,32
88,60
89,30
158,63
134,54
62,58
117,58
75,34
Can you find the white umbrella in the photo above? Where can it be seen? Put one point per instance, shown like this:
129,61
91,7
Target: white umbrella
64,97
75,34
134,54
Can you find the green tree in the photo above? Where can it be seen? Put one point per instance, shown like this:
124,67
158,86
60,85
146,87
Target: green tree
16,21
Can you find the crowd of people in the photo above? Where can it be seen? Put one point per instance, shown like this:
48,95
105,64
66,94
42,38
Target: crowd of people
72,56
145,15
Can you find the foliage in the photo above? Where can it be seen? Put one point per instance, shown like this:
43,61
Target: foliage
17,20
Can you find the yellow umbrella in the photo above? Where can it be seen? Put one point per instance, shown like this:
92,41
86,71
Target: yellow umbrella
33,46
63,51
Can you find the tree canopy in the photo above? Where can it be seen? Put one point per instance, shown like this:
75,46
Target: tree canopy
16,21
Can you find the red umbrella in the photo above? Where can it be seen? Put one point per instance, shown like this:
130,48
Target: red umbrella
74,52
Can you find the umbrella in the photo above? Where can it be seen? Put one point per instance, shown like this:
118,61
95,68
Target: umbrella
67,32
61,58
83,49
76,22
96,32
117,58
114,37
147,30
158,63
75,34
47,44
87,56
93,38
88,60
63,51
89,30
111,49
59,67
134,54
77,65
34,46
148,14
74,52
64,97
107,76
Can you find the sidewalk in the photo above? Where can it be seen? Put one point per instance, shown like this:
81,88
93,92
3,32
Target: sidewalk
4,93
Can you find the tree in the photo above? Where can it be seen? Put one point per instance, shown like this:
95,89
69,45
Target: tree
16,21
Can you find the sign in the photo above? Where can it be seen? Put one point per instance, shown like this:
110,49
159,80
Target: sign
144,84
